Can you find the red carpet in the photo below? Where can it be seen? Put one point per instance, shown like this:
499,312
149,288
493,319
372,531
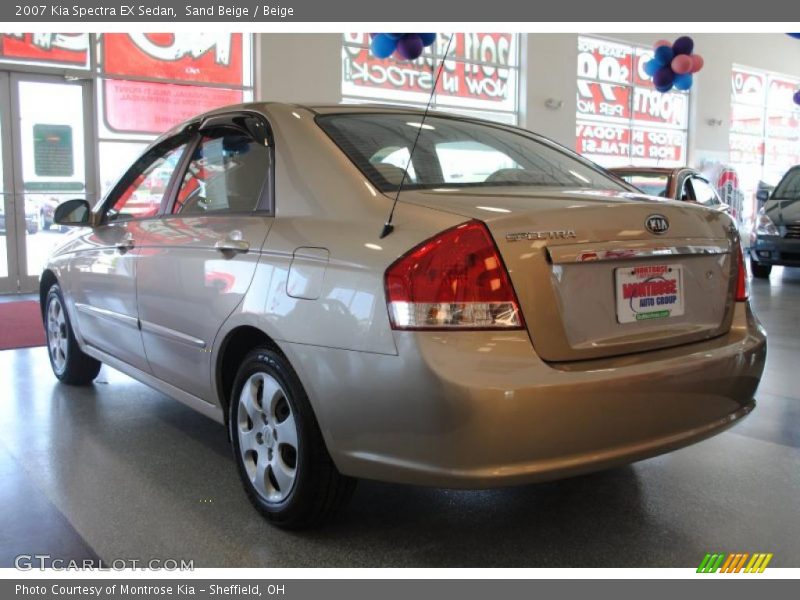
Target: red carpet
21,325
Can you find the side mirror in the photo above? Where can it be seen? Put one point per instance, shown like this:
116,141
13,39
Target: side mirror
762,195
73,213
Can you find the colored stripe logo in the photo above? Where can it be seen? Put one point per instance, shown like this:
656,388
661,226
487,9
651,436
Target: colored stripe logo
739,562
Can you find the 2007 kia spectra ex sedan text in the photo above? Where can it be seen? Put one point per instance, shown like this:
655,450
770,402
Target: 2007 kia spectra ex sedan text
525,316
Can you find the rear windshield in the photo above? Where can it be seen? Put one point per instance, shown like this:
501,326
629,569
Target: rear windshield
652,184
456,153
789,187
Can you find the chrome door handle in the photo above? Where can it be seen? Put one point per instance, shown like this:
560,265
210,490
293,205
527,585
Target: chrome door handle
126,243
234,246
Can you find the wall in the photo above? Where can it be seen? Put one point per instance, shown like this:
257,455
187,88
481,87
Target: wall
299,67
307,67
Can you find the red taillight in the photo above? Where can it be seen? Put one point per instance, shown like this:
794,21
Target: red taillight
742,291
455,280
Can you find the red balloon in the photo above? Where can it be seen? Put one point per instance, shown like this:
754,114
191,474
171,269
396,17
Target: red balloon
682,64
697,63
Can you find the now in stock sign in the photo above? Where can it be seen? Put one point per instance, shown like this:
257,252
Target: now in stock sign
741,562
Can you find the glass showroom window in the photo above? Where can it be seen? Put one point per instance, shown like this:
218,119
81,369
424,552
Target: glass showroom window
765,129
621,118
149,82
480,75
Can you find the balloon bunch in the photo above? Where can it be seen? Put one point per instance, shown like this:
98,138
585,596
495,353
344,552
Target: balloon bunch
673,64
408,46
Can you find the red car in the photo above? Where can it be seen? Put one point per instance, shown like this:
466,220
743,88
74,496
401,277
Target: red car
681,183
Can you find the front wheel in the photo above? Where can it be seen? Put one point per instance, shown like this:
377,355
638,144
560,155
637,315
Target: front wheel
760,271
70,364
281,457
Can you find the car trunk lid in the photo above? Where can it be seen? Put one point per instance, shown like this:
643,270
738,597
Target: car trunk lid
582,261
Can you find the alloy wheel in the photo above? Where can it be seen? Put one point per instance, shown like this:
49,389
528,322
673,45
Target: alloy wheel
267,433
57,342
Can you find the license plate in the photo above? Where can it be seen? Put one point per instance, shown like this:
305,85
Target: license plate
649,292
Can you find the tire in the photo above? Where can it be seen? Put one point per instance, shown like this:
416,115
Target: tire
70,364
760,271
271,423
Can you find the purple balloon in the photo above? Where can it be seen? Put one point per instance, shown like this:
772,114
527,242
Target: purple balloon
410,46
683,45
797,97
663,78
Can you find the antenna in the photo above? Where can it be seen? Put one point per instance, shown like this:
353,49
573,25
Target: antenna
388,227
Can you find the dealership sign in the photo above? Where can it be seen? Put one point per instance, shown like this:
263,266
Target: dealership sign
196,57
147,107
621,116
600,140
165,60
60,49
476,72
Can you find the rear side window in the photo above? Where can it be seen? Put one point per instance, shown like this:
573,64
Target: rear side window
703,192
789,187
456,153
655,184
227,173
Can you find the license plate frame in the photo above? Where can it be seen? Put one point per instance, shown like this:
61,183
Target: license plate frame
646,293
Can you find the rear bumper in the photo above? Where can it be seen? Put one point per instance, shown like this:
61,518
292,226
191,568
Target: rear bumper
477,409
774,250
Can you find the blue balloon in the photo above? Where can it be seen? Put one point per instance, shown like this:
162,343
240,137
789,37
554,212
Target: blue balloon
664,55
794,35
651,66
683,81
427,38
382,45
395,36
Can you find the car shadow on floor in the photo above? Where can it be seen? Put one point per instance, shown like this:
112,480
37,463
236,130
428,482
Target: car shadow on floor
574,521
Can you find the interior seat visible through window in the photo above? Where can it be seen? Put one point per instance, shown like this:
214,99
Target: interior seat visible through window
226,174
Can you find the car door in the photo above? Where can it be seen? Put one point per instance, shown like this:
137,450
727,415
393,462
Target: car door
102,281
202,253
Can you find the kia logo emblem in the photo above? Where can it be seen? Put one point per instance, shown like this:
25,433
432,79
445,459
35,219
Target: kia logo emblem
657,224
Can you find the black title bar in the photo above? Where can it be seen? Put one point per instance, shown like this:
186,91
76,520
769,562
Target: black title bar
305,11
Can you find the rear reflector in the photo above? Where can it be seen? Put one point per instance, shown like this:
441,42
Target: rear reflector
742,287
455,280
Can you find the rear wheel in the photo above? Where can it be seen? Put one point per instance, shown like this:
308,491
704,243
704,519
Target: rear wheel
760,271
281,457
70,364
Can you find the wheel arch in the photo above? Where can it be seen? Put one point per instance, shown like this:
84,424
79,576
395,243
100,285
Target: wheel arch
234,347
47,280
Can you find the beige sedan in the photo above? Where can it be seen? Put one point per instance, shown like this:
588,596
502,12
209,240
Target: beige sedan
520,315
